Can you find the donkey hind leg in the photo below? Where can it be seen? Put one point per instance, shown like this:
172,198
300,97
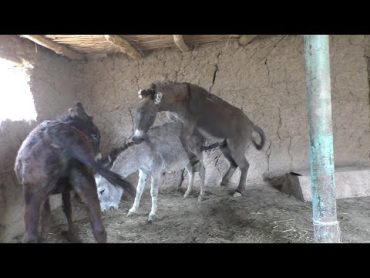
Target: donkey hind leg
237,150
226,178
84,184
202,174
33,201
190,147
70,234
195,157
45,216
154,194
181,178
197,165
143,176
190,170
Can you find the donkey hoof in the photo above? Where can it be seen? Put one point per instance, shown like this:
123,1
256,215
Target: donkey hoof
200,199
224,183
186,195
31,239
237,194
43,240
71,237
100,236
131,212
152,217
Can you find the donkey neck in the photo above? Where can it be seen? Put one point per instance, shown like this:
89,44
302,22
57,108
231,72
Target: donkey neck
174,98
132,159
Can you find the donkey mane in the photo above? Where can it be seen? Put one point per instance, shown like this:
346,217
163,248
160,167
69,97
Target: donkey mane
75,121
199,109
112,156
165,84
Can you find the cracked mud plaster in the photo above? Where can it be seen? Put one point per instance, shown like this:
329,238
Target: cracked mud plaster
52,83
264,78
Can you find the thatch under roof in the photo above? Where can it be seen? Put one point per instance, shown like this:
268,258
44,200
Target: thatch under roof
135,46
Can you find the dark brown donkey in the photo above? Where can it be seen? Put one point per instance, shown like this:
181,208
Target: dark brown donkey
199,110
56,157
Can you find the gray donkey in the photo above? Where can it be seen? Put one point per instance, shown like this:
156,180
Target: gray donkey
201,111
161,152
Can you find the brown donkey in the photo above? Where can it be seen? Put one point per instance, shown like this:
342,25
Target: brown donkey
200,110
56,157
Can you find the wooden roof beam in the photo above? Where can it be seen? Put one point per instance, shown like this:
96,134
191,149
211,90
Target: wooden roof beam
180,43
124,46
246,39
56,47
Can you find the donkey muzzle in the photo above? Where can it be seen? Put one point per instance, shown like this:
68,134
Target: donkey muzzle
138,137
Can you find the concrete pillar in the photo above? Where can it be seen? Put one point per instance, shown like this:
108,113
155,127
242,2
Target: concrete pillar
317,66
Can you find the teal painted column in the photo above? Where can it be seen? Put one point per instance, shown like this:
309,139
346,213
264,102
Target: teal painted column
317,66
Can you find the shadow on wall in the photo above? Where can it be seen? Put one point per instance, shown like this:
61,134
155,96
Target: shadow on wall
12,134
368,78
34,86
17,119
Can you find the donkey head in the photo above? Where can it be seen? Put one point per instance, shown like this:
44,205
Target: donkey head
145,112
109,196
84,122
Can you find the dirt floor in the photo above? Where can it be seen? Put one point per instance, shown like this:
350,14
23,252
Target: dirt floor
263,215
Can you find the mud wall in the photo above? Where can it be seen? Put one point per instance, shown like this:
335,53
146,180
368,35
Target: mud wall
52,83
265,78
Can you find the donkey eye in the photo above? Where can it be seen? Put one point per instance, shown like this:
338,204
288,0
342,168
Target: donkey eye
94,136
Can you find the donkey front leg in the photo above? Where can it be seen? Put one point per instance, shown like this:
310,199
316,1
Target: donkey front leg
190,170
143,176
84,184
154,195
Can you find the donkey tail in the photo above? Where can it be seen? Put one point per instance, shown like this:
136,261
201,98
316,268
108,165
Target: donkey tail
210,147
112,177
262,135
66,138
108,161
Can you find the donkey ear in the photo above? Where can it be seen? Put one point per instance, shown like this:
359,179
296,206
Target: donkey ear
79,111
158,98
140,93
73,112
146,93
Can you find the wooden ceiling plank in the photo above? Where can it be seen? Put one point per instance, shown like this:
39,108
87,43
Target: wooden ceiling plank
57,48
123,45
180,43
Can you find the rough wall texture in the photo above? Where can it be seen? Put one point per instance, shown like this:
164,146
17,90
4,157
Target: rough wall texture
265,78
52,83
